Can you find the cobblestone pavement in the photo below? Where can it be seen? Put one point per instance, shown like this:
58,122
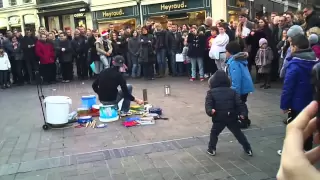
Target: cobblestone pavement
171,149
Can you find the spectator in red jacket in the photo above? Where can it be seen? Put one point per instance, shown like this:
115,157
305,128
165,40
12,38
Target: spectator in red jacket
45,52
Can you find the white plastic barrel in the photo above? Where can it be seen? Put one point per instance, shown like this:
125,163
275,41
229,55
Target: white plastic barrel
57,109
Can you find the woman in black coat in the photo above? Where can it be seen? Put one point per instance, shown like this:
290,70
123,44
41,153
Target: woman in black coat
147,56
262,31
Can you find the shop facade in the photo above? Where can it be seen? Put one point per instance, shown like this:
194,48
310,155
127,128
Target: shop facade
119,14
258,7
18,19
180,12
64,15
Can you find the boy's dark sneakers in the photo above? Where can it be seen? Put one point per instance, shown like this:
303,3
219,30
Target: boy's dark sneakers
249,152
211,152
267,87
262,86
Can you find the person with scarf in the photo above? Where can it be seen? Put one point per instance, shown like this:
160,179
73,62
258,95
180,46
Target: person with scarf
218,47
263,61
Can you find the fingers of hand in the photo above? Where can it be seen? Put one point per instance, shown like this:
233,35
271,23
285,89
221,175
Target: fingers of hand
305,116
310,129
313,155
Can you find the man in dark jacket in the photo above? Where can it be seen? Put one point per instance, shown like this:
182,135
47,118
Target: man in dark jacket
223,104
106,86
28,43
175,45
312,19
79,47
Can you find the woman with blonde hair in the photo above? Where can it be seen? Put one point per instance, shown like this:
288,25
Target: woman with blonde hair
314,30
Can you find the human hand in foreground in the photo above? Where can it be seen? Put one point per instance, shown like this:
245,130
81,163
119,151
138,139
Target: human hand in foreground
139,101
213,111
295,163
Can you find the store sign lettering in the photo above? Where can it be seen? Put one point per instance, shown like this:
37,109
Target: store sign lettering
79,15
113,14
170,7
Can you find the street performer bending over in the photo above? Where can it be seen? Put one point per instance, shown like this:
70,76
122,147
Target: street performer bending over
106,86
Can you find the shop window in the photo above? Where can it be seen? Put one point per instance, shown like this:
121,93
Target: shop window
12,2
190,18
118,24
233,16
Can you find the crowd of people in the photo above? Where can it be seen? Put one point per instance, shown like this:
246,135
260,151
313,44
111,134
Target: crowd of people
151,50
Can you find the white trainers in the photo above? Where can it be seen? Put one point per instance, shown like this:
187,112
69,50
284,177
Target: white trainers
279,152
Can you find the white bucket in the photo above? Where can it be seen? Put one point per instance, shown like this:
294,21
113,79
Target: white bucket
57,109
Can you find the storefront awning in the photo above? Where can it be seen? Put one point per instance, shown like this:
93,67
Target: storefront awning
148,2
59,10
100,7
61,3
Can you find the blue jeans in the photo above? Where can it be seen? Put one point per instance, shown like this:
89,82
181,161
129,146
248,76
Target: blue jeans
106,61
161,59
194,62
136,67
126,103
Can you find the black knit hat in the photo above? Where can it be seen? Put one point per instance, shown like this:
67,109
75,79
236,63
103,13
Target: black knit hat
118,61
233,47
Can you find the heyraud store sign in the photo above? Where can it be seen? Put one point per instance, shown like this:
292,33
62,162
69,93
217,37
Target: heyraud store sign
176,6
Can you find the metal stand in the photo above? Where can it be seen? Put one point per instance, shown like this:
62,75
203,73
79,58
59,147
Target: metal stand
145,96
41,98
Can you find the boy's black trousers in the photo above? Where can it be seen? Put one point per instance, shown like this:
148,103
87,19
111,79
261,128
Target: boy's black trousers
217,128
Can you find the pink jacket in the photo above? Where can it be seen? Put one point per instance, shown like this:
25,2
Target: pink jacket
316,49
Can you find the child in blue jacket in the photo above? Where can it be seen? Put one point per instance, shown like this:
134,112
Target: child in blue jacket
297,91
238,72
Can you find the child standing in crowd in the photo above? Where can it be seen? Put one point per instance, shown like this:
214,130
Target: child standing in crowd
263,61
4,68
186,57
315,45
223,104
219,46
65,54
210,65
237,70
297,91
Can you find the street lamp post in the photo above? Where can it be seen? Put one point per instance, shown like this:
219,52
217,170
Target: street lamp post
140,11
251,8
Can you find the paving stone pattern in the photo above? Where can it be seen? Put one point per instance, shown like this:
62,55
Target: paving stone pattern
27,149
175,159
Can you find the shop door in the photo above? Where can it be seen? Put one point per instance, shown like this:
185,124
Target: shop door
80,22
